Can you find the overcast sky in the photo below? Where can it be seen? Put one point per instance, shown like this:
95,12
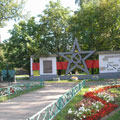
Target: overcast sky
35,7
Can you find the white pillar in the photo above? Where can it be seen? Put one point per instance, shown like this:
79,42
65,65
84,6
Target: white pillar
31,62
39,65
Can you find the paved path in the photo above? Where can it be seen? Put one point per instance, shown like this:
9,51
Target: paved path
24,106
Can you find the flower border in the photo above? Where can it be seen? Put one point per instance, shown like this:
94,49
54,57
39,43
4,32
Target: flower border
108,107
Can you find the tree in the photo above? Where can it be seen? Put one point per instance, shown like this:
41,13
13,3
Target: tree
82,3
10,9
54,26
22,44
79,2
97,26
2,60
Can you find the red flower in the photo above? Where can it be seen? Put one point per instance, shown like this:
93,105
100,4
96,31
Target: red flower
108,107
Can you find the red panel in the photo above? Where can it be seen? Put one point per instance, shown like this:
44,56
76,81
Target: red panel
36,66
89,63
62,65
92,63
96,63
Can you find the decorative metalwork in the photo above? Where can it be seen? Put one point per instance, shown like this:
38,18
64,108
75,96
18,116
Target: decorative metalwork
49,112
76,58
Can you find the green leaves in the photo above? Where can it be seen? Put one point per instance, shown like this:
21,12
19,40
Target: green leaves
21,44
96,25
10,9
54,26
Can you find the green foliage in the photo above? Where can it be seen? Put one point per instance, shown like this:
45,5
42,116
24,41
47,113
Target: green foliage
1,57
2,60
54,26
97,25
22,44
10,9
83,3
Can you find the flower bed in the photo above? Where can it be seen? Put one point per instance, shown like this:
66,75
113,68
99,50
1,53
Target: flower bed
5,91
96,104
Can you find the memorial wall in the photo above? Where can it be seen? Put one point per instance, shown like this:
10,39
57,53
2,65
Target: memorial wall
109,63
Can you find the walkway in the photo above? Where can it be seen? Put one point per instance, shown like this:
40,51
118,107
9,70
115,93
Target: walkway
24,106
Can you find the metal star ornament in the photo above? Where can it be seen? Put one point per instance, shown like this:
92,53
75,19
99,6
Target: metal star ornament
76,58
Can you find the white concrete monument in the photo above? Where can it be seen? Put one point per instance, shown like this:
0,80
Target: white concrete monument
109,63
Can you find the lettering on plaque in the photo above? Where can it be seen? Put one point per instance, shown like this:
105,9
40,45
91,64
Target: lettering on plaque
109,63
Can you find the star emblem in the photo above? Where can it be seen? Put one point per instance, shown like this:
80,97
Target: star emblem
76,60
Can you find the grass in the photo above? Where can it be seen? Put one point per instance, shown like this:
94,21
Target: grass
22,77
63,114
65,81
92,80
4,98
116,116
62,81
117,91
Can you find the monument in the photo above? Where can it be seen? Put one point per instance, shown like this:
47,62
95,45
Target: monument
108,64
76,58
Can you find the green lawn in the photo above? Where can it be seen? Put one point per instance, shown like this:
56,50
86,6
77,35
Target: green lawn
4,98
116,115
63,81
76,99
22,77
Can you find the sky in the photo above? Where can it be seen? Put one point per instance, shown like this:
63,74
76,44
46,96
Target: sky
35,7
